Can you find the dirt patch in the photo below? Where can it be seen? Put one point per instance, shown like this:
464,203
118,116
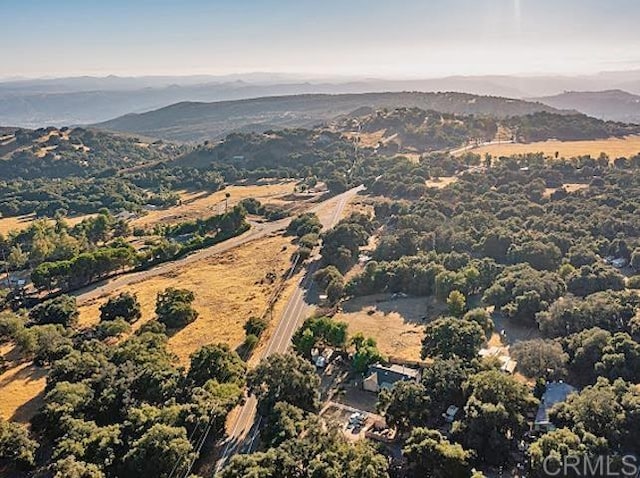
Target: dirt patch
21,388
396,324
19,223
442,182
569,187
197,205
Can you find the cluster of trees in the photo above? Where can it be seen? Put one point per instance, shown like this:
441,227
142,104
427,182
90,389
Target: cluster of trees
296,442
601,419
118,410
83,268
326,332
583,356
609,310
75,195
542,126
341,244
96,262
229,221
80,152
269,212
494,409
414,128
45,241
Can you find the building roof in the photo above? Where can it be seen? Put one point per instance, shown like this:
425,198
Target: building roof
555,392
390,374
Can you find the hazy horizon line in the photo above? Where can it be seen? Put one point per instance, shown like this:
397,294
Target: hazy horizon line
315,76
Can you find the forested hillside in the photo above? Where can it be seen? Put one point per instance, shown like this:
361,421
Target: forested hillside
59,153
189,122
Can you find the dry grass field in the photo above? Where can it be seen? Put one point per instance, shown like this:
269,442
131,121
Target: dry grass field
21,387
397,325
202,204
18,223
367,140
229,288
614,147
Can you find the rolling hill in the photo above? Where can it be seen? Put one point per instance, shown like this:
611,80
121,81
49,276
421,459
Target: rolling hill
57,153
615,105
33,103
195,122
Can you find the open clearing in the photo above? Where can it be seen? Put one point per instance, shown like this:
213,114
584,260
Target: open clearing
229,288
614,147
21,387
18,223
397,325
441,182
202,204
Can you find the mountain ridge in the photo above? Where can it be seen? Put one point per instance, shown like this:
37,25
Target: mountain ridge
198,121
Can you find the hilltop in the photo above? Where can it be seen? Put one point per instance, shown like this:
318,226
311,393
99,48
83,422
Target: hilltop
192,122
615,105
56,153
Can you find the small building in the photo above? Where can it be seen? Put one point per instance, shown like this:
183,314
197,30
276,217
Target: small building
555,392
507,364
321,358
383,377
450,415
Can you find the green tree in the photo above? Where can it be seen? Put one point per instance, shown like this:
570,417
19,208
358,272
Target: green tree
62,310
15,444
405,405
495,413
366,354
431,454
70,467
173,307
443,380
157,451
481,317
549,452
457,303
450,337
541,358
124,305
284,378
217,362
319,331
255,326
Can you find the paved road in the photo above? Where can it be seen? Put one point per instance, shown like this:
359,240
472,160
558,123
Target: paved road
244,429
257,231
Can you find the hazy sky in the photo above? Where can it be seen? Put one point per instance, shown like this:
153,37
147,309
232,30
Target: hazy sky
394,38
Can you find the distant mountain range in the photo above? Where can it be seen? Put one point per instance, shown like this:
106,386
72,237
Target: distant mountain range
85,100
616,105
195,122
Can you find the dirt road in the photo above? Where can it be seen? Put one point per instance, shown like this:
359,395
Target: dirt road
257,231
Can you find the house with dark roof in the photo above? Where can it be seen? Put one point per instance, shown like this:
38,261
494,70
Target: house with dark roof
382,377
555,392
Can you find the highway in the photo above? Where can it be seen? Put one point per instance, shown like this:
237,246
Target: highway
244,427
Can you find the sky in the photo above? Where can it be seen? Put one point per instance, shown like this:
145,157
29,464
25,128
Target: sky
362,38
